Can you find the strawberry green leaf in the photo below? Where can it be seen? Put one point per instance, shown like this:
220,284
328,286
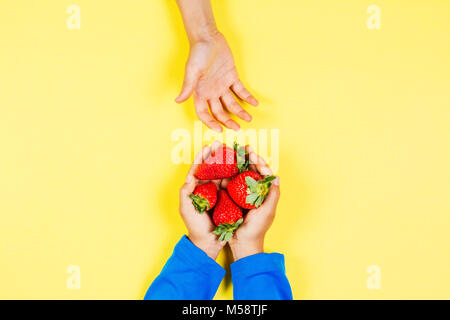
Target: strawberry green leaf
252,184
258,190
269,178
259,201
200,203
228,236
225,230
251,198
242,163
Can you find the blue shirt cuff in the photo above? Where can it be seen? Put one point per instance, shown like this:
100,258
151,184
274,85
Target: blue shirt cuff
197,258
258,263
260,277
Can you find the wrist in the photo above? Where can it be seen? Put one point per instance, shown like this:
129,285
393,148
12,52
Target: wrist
205,33
198,19
241,250
209,246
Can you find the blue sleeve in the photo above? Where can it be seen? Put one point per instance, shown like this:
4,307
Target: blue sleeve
260,277
189,274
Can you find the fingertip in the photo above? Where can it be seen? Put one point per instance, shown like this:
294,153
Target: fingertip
183,96
253,158
213,125
215,145
224,183
276,182
185,93
253,101
234,125
264,169
244,115
250,149
274,193
204,153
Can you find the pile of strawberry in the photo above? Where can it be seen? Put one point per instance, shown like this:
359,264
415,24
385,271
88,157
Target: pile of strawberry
245,190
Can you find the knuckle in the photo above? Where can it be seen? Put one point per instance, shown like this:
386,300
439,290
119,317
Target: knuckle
237,107
242,113
210,123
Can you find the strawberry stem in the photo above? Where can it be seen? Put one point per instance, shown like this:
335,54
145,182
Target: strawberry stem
200,203
242,163
225,230
258,190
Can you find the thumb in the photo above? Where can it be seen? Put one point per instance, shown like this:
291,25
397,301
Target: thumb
274,193
188,187
190,81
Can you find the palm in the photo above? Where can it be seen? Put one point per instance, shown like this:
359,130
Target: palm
212,77
252,224
216,63
254,221
201,223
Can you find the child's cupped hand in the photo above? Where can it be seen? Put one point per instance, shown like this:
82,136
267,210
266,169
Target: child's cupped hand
200,226
248,239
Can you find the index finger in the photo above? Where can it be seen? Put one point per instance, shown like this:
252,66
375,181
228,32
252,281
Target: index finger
201,108
239,89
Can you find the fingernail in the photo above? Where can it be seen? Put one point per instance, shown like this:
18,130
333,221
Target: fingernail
276,181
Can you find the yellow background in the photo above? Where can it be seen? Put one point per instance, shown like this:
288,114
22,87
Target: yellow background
86,118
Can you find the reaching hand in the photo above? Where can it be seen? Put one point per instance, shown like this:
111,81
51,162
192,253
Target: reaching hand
249,237
212,77
199,226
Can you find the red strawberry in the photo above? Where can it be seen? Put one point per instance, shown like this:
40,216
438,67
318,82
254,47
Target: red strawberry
227,216
204,197
222,163
249,189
